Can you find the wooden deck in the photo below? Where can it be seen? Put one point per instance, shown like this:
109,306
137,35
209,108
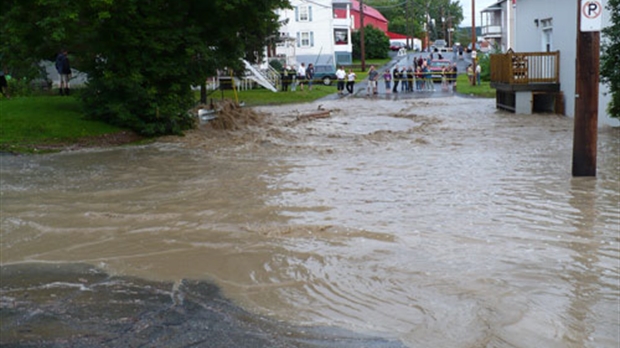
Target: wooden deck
531,71
535,73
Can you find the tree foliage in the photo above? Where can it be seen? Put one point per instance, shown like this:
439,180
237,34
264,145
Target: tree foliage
610,72
376,43
408,17
141,57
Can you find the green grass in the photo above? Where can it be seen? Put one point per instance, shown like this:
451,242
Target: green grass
484,90
28,121
261,96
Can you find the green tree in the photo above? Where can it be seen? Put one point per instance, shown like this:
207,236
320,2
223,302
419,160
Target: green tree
376,43
142,57
408,17
609,60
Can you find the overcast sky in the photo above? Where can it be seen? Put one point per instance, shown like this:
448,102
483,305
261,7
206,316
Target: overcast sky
480,5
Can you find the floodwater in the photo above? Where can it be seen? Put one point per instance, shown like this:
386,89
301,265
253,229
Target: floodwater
437,222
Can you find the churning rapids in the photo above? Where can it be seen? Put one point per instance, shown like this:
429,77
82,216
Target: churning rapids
426,222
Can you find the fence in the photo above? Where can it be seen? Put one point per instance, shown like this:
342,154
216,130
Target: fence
525,68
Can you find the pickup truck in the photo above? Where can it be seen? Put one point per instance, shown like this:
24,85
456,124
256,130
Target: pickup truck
440,46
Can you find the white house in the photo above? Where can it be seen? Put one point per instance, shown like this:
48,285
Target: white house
551,25
498,24
317,32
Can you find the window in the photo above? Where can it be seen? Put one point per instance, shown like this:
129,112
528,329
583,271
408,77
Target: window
305,39
303,13
341,37
547,34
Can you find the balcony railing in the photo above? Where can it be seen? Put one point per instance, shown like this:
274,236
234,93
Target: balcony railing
525,68
491,30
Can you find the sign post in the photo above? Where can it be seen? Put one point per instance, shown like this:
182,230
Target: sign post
587,87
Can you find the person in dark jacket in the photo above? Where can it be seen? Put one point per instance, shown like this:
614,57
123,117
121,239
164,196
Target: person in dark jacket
284,79
395,78
4,86
63,67
310,75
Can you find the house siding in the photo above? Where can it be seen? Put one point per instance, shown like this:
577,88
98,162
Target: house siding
531,38
322,49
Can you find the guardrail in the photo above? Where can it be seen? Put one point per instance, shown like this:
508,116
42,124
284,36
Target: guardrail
525,68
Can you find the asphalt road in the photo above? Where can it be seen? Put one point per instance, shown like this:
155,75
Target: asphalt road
77,305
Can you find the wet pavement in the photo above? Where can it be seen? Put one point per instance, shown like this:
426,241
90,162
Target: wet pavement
77,305
421,222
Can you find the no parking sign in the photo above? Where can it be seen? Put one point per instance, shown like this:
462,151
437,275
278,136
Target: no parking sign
591,12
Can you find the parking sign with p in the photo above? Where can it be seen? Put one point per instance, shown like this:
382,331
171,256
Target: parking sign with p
590,15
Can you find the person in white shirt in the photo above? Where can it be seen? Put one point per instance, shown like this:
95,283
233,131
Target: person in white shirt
301,76
340,75
350,81
478,71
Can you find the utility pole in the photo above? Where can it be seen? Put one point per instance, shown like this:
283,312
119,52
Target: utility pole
443,24
412,46
409,26
362,43
586,89
473,40
406,12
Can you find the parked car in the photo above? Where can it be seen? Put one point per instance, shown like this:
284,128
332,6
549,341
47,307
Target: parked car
325,73
397,45
440,46
437,66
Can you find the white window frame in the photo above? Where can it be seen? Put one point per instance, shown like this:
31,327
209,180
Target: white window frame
304,40
304,13
547,34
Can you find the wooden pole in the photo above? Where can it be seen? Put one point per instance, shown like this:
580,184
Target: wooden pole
473,40
586,100
362,43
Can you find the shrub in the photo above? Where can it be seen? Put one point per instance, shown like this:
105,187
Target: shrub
376,43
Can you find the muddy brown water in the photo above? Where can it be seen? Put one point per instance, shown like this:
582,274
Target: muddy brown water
437,222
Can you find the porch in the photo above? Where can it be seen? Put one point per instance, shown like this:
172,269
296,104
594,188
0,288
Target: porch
527,82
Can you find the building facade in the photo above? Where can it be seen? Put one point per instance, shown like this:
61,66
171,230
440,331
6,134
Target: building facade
317,32
551,25
498,24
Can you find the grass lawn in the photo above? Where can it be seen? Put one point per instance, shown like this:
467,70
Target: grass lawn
35,122
29,121
484,90
263,96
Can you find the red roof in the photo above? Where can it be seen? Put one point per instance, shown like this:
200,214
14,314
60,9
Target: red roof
397,36
368,11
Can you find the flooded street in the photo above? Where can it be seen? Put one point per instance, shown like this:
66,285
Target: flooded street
433,222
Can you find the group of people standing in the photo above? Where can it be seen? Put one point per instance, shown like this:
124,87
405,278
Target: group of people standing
418,78
414,78
347,80
341,76
293,77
